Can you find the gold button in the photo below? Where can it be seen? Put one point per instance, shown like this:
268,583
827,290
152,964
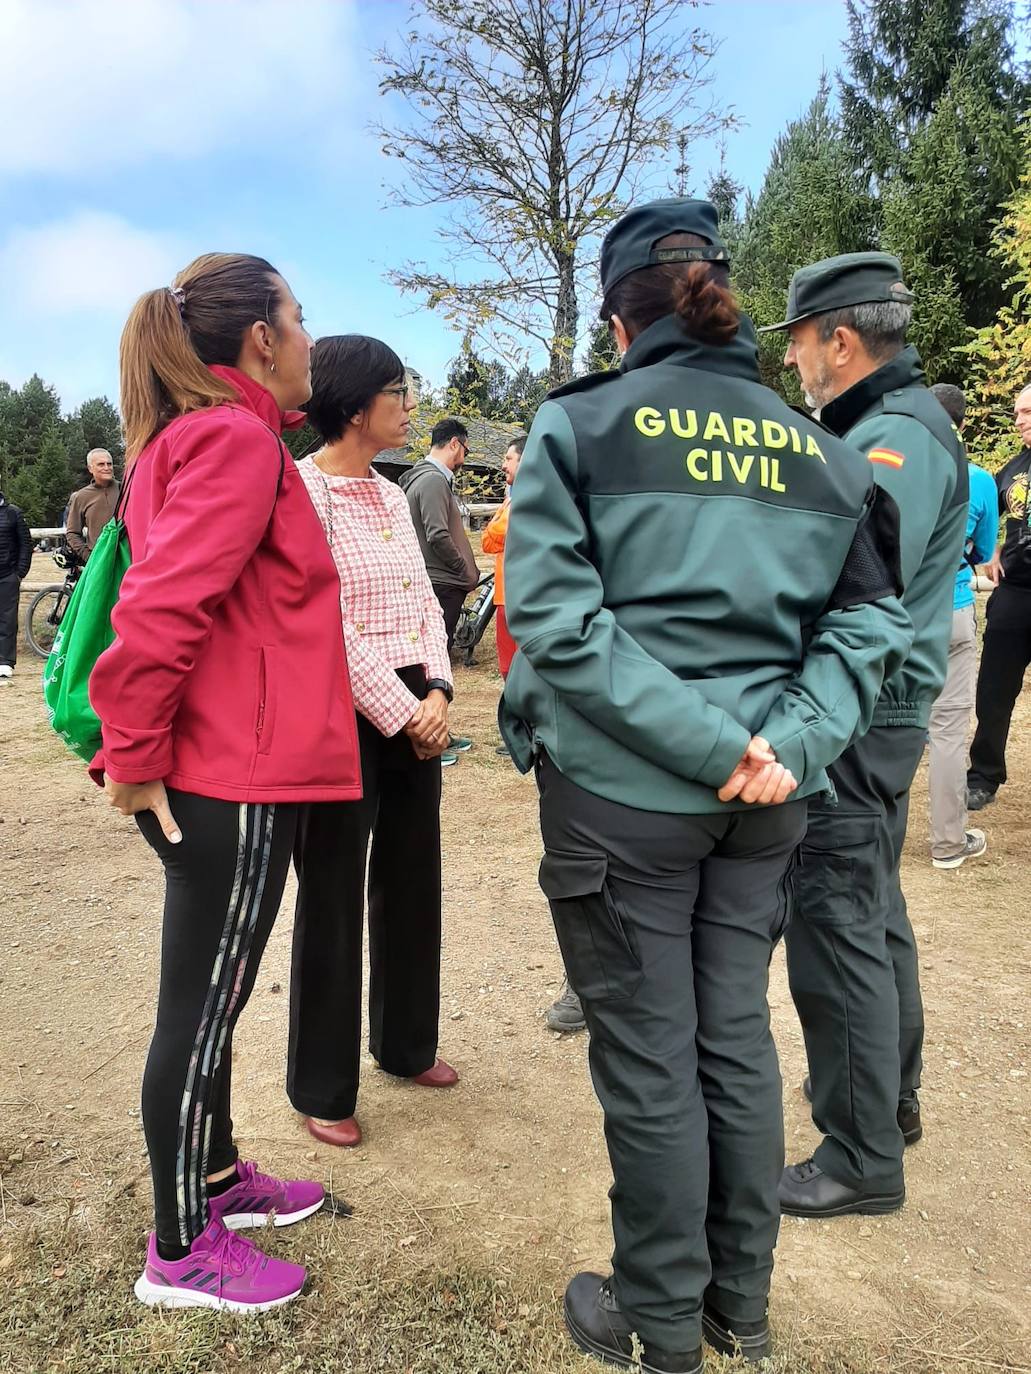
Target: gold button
387,534
406,582
413,635
360,627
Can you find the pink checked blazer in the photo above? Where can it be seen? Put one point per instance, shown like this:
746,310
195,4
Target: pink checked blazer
391,617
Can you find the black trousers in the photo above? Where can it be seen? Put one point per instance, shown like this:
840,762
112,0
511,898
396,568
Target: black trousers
10,588
667,924
852,960
1005,654
451,599
400,809
223,886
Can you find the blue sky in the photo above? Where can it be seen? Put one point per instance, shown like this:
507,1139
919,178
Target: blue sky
139,133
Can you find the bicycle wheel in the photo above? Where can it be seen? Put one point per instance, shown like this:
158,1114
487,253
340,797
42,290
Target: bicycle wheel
42,619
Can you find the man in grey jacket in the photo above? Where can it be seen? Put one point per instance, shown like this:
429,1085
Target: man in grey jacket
438,519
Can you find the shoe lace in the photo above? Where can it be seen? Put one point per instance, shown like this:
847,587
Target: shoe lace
807,1169
252,1175
234,1254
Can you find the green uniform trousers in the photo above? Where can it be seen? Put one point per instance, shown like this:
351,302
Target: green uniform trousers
852,960
666,925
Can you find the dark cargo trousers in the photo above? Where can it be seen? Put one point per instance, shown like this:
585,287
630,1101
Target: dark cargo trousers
852,959
666,925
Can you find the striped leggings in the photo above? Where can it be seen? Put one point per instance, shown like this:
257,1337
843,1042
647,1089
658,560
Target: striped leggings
223,886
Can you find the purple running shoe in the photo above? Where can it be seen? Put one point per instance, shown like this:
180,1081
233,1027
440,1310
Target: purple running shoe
257,1199
222,1271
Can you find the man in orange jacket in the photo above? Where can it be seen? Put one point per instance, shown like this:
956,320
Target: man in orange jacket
493,541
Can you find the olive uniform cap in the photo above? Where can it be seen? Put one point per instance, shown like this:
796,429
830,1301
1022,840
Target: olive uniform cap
837,283
631,242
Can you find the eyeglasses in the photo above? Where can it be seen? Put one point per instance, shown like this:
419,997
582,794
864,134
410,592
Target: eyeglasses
401,392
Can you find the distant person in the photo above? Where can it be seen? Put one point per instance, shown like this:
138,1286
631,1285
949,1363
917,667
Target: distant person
393,628
92,506
437,516
225,709
951,842
15,558
493,541
1006,650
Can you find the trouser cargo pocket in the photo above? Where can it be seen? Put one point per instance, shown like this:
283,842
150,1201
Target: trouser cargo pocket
839,871
596,942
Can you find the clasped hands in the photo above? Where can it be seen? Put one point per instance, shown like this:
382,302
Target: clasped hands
428,728
758,777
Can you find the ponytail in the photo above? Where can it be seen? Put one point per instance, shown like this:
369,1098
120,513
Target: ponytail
174,335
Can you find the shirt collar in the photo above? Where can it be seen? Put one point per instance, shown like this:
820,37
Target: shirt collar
259,399
441,467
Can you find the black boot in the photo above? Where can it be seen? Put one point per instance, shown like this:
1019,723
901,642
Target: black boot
729,1337
806,1191
599,1328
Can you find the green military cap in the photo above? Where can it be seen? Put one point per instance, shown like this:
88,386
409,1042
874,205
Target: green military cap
836,283
631,242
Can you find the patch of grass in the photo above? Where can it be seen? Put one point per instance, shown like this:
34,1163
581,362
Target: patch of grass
68,1308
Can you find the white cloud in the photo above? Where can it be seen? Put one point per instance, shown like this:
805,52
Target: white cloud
101,84
90,262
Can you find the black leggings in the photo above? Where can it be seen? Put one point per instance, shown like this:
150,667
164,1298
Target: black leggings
223,886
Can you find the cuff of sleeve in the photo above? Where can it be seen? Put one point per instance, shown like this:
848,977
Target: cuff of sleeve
725,754
788,747
138,755
389,717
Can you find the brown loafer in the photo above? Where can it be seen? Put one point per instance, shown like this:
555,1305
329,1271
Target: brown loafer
440,1076
346,1133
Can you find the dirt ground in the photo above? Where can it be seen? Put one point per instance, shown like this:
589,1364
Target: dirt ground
472,1208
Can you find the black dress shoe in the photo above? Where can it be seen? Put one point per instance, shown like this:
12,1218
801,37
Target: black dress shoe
908,1115
729,1337
978,798
599,1328
806,1191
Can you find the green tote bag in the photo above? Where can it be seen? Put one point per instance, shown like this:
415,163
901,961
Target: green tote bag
84,633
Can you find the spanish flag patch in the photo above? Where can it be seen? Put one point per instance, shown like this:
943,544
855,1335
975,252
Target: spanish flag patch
887,456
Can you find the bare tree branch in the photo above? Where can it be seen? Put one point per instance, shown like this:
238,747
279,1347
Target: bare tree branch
536,119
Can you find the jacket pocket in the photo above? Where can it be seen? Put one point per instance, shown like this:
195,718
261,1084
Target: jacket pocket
838,876
596,941
266,715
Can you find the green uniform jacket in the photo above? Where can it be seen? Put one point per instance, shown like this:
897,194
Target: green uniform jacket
917,455
675,536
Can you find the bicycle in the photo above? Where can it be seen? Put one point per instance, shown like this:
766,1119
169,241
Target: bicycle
48,605
475,616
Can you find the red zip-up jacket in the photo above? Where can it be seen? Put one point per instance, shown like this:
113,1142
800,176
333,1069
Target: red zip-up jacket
227,677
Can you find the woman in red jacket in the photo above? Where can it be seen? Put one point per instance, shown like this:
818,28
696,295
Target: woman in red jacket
225,704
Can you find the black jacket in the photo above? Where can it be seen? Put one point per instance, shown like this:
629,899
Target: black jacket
15,541
1012,481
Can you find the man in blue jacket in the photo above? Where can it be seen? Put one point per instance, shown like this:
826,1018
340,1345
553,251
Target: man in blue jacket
951,842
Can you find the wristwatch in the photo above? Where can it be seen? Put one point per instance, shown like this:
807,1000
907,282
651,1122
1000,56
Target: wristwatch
437,684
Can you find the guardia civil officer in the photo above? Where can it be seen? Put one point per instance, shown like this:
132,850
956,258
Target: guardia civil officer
852,960
678,674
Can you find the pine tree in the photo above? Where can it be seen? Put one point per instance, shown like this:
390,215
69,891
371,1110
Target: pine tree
999,354
931,112
812,204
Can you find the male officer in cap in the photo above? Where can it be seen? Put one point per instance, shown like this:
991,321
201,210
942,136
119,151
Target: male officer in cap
852,960
675,670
